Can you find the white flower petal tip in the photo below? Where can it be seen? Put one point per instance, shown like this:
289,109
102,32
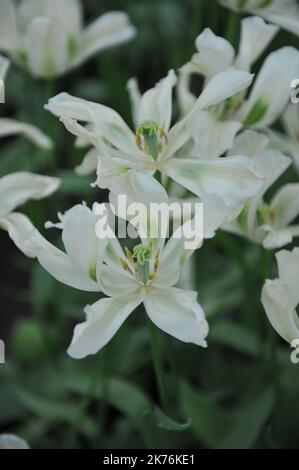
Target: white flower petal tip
79,266
103,319
10,127
17,188
178,313
10,441
222,86
280,297
284,13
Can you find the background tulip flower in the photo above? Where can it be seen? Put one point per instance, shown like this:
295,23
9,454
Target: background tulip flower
15,190
288,142
10,441
280,296
267,223
46,37
267,99
284,13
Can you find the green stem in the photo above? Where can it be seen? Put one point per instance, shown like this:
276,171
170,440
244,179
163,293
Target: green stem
214,16
271,335
232,28
157,364
158,176
96,375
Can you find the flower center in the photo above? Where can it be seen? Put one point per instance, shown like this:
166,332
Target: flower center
138,263
150,138
265,214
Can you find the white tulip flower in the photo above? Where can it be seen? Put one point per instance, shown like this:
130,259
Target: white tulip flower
128,161
289,142
280,297
46,37
265,223
284,13
266,101
10,441
15,190
144,275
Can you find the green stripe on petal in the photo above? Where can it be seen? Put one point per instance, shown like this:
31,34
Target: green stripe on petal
256,114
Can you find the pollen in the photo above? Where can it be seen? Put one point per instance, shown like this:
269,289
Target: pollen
125,265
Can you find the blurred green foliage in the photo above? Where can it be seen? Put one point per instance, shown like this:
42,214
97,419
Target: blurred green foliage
239,393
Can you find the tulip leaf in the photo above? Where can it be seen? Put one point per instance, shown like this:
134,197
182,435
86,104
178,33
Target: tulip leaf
165,422
218,428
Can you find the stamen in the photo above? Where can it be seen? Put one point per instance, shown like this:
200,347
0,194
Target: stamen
126,266
129,255
266,214
156,263
153,276
150,138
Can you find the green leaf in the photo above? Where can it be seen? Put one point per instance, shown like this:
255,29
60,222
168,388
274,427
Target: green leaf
218,428
209,422
53,410
237,337
256,113
165,422
250,422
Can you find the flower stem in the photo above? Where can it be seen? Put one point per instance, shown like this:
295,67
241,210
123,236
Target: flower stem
157,364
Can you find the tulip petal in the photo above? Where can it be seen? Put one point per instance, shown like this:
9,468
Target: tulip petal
59,264
80,240
281,313
156,103
10,441
256,35
178,313
17,188
46,44
215,53
89,163
212,137
232,178
10,127
4,66
19,228
103,319
109,30
271,90
286,204
107,123
222,86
